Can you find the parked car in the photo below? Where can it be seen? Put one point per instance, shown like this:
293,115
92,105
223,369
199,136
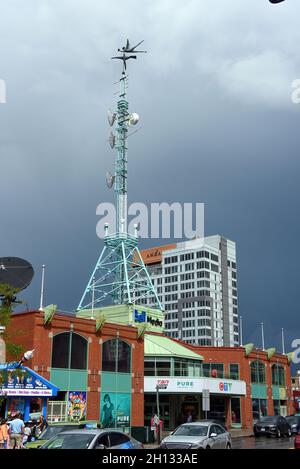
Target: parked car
49,433
92,439
273,425
198,435
217,421
294,421
297,441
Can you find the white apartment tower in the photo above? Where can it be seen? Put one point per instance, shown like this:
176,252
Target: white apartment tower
196,283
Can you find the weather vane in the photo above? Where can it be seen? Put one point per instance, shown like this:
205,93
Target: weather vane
126,51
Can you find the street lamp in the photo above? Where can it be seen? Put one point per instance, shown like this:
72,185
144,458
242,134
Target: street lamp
158,414
26,357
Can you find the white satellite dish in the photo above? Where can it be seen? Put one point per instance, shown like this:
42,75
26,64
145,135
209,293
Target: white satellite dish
134,119
112,140
110,179
111,116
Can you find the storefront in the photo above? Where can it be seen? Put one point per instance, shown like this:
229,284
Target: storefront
26,392
180,398
107,370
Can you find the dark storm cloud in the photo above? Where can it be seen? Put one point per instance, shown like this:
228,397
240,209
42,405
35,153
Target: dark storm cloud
218,127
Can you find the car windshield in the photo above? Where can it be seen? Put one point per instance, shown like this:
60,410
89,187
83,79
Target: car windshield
49,432
268,420
191,430
69,441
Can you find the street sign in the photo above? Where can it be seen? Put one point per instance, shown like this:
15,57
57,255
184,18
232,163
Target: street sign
206,400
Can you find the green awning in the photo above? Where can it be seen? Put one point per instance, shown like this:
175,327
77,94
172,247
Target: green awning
161,346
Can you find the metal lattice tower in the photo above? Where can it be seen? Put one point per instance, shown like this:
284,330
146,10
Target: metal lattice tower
120,275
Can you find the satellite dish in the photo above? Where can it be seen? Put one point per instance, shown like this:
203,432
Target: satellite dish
134,119
15,272
111,117
110,179
112,140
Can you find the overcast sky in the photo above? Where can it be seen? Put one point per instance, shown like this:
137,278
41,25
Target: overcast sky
218,127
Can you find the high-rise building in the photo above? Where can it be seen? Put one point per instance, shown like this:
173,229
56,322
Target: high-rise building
196,283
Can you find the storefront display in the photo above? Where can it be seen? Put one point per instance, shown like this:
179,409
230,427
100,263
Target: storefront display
115,410
27,393
77,406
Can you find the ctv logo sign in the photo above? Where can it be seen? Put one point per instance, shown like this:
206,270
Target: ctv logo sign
225,387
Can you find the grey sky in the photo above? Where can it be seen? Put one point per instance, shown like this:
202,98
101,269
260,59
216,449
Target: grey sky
218,126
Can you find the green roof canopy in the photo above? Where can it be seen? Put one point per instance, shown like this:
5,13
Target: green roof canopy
161,346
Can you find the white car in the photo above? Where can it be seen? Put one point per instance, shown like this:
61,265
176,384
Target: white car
198,435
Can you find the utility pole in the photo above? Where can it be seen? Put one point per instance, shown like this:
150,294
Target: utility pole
42,288
262,336
158,414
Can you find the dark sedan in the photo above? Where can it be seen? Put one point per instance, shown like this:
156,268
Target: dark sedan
276,425
294,421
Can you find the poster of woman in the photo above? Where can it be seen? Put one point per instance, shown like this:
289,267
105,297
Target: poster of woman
115,410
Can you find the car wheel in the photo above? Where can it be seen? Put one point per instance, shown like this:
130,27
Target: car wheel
278,433
228,446
256,434
207,447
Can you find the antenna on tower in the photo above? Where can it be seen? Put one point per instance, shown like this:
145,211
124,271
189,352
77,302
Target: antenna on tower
120,273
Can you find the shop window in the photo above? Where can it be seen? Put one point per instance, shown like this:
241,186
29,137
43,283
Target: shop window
236,411
276,404
116,356
278,375
163,368
258,372
149,368
259,408
69,350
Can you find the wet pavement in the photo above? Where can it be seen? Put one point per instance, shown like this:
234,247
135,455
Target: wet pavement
250,442
263,443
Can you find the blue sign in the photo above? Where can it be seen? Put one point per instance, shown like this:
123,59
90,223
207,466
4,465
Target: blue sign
140,316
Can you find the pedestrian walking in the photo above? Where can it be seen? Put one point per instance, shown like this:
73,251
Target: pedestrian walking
42,424
27,433
16,431
3,434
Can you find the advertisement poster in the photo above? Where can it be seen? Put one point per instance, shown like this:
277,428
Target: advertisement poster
15,406
77,406
23,380
115,410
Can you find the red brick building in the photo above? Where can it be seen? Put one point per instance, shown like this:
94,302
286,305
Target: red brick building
115,368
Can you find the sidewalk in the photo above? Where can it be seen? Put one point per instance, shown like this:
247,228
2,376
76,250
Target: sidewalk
241,432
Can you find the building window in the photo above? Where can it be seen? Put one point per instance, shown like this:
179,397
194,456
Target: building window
258,372
116,356
69,350
259,408
236,420
234,371
278,375
214,370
